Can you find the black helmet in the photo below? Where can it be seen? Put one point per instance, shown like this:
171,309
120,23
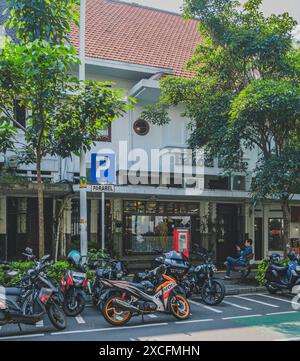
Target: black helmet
74,258
293,256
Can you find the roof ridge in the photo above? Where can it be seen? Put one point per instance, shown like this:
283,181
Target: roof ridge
134,4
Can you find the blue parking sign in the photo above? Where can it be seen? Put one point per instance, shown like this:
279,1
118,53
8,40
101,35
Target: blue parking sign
103,169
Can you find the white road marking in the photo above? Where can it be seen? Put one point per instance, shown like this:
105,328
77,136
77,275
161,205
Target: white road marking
22,336
108,329
206,307
40,324
194,321
237,306
237,317
256,301
152,316
279,299
281,313
80,320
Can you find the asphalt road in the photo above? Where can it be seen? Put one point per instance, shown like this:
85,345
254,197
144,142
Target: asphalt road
247,317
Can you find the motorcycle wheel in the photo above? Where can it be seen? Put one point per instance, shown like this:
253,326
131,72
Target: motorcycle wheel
73,308
179,307
114,315
271,289
213,295
57,316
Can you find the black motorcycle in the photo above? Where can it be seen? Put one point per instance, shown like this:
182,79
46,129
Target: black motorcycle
200,279
277,278
106,268
32,298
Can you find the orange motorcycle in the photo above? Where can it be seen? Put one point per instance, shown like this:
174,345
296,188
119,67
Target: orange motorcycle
123,300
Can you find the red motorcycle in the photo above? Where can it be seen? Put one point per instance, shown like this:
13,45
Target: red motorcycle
74,285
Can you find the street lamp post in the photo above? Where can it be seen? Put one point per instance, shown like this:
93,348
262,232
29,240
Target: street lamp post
83,180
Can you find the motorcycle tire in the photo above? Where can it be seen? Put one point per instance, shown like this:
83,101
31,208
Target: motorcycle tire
56,316
270,289
205,293
179,306
113,315
77,308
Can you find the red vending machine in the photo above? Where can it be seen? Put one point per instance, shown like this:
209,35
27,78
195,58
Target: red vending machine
182,238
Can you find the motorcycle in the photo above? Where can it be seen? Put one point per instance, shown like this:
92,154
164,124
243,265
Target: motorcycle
177,267
200,279
125,299
74,285
110,269
191,279
34,296
279,278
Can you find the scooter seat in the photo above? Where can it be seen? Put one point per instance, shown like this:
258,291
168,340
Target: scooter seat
12,291
279,269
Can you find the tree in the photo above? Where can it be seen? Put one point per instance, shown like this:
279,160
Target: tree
63,114
244,94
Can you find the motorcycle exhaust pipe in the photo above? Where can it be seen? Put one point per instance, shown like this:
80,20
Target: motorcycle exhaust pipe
126,306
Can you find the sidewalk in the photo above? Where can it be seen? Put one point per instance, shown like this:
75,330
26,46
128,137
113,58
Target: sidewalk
237,286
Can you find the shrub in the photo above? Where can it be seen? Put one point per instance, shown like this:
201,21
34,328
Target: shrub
262,268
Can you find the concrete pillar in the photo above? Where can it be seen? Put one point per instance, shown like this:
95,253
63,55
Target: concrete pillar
67,226
22,215
3,228
204,217
94,216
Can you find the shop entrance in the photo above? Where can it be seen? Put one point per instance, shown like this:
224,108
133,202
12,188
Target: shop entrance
230,230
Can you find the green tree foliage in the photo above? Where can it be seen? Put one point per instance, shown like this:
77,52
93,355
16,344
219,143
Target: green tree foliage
244,94
63,114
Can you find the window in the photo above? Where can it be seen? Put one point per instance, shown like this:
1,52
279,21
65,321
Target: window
276,234
20,112
141,127
104,135
150,224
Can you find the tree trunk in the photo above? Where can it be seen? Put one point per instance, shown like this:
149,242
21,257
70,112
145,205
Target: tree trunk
40,186
286,222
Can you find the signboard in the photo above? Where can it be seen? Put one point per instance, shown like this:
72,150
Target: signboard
100,188
103,168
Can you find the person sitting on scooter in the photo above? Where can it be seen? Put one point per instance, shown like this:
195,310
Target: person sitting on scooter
241,261
292,266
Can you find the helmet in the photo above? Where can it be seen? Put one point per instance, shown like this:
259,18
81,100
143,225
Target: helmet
293,256
275,258
74,258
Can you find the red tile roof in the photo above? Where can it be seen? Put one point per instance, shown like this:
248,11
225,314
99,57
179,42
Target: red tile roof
139,35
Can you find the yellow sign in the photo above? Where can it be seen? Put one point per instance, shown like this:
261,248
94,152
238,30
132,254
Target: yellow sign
83,182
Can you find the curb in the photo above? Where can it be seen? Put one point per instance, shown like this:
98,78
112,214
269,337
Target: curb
244,290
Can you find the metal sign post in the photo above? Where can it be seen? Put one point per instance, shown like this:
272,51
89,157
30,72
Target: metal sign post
103,174
103,220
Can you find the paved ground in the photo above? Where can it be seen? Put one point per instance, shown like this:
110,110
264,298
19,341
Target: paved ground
240,317
237,286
